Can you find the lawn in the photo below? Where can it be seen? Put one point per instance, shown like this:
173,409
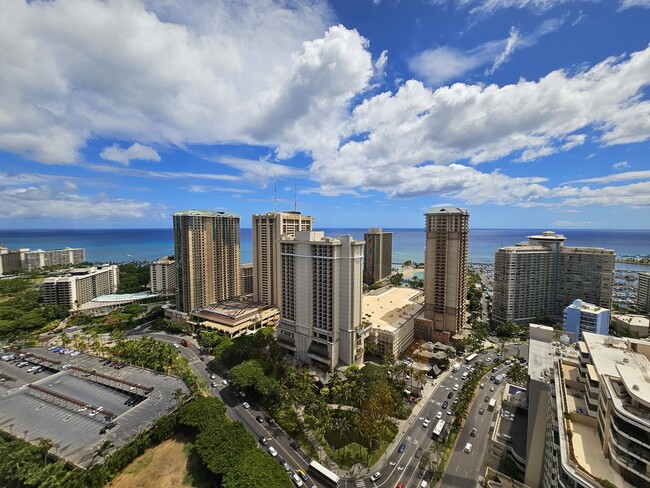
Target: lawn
168,465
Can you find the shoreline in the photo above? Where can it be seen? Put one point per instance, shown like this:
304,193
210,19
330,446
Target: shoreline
409,271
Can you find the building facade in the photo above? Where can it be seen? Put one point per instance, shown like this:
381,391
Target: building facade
445,274
585,317
246,275
539,278
9,260
81,285
267,230
321,290
206,248
377,255
643,293
56,257
163,275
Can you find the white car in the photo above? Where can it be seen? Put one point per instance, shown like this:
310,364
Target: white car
426,423
213,376
439,415
296,479
375,476
224,382
468,448
456,387
246,405
272,451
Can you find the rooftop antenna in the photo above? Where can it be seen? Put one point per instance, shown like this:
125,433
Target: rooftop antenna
295,199
275,194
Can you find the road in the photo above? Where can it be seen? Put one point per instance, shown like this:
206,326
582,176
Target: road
462,471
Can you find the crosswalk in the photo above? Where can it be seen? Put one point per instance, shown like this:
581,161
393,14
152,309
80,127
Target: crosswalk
360,484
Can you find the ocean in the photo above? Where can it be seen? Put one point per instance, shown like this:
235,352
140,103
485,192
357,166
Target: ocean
123,245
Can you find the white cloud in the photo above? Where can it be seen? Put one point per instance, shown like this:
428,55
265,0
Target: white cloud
621,165
626,176
124,156
625,4
260,171
210,188
446,63
139,173
488,6
575,223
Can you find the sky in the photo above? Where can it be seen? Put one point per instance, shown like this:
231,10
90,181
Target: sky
361,113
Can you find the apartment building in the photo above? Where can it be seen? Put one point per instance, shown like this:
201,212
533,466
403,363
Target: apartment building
163,275
445,274
321,289
267,231
246,275
81,285
9,260
585,317
643,293
377,255
598,417
56,257
206,247
539,278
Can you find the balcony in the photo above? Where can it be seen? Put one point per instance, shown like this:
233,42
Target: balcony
319,350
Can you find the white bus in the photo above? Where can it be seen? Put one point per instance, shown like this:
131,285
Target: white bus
471,358
437,430
324,475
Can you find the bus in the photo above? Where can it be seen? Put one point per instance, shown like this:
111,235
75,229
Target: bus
437,430
324,475
471,358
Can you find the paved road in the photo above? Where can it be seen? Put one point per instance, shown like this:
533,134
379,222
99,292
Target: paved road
463,470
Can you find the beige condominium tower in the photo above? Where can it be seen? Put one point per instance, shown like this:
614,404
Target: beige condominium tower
377,255
321,290
445,274
206,247
267,230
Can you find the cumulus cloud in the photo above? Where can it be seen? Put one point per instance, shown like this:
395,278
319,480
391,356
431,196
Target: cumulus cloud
124,156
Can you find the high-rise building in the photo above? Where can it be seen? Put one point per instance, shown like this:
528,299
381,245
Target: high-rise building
321,290
582,317
539,278
81,285
246,275
9,260
377,255
445,274
597,409
55,257
206,248
267,230
163,275
643,293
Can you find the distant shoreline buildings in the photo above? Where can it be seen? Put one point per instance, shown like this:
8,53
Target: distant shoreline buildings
28,260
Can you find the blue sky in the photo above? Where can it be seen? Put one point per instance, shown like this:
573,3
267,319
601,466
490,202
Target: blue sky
529,113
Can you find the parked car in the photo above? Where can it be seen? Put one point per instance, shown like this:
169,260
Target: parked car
259,419
295,446
439,415
450,394
246,405
401,447
445,404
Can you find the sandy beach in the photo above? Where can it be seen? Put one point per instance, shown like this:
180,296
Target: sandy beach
409,271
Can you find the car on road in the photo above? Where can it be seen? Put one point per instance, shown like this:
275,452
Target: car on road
246,405
302,474
456,386
263,441
176,345
286,466
473,432
269,420
481,411
468,448
272,451
487,398
401,447
426,423
260,419
296,480
107,427
400,485
450,394
439,415
375,476
492,388
294,445
445,404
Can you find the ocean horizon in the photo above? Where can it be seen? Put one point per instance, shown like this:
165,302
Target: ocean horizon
124,245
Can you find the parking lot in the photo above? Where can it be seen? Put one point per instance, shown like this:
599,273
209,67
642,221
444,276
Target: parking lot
59,402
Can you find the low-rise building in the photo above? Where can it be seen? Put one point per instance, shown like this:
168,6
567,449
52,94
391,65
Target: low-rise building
235,317
635,326
390,313
585,317
81,285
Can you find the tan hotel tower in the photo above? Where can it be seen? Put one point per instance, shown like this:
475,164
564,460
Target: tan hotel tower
445,274
268,228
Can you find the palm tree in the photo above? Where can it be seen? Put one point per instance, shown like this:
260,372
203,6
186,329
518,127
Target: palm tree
419,377
102,450
44,445
178,395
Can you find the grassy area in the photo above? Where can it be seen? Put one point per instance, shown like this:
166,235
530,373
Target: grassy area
353,452
168,465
